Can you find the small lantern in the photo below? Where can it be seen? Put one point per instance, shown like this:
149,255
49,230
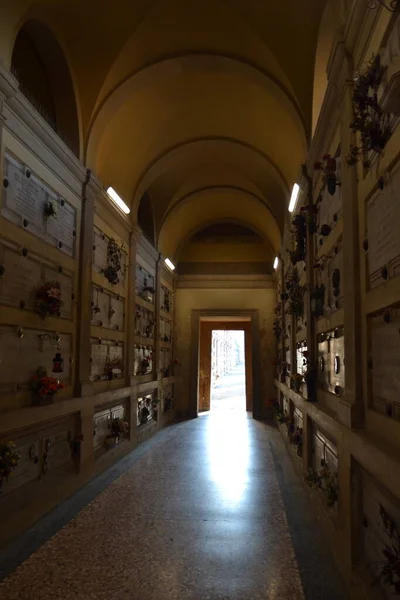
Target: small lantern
58,363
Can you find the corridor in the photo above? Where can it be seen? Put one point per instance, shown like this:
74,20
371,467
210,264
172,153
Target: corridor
229,393
208,509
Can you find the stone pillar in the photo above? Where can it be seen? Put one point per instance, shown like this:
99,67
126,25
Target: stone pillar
130,332
350,407
83,385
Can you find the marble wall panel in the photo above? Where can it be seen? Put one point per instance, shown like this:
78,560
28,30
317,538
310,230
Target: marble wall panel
144,322
25,198
107,309
324,451
42,452
382,218
102,420
21,356
145,284
23,273
376,536
385,354
106,360
100,255
166,299
331,362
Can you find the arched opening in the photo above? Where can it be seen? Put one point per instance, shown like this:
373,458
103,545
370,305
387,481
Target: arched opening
145,217
39,65
324,46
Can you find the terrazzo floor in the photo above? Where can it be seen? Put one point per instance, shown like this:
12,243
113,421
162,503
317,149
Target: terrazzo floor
209,509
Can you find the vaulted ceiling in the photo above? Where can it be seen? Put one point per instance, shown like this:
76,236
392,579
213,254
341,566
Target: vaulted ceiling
203,107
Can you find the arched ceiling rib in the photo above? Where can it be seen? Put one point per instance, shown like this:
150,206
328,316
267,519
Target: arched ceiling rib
203,162
189,98
214,206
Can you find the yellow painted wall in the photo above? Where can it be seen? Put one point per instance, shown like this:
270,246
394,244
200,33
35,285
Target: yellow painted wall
187,300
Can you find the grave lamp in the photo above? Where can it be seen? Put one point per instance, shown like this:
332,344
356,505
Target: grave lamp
58,363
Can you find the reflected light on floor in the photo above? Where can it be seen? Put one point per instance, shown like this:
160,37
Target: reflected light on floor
228,452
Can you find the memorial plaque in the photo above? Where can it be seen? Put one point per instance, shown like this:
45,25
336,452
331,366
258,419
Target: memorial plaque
298,418
330,208
21,280
24,202
166,299
301,359
99,353
60,450
67,288
62,227
29,353
337,368
100,243
376,536
100,253
145,283
324,364
335,295
144,402
324,451
116,320
383,215
385,351
101,307
26,470
101,428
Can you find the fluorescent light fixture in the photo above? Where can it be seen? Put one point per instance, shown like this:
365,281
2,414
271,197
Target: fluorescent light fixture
293,199
118,201
276,262
170,264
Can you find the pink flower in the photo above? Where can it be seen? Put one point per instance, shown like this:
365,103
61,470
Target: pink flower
54,293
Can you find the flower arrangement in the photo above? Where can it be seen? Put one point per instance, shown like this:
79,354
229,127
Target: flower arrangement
277,329
114,262
326,480
328,166
119,427
9,458
48,299
370,121
296,380
296,294
45,387
300,238
390,569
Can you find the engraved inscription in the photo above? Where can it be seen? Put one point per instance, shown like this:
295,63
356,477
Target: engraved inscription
24,202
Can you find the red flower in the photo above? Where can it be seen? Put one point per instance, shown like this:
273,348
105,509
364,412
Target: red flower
42,391
326,157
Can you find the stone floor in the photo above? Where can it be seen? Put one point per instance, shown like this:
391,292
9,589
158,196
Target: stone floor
208,509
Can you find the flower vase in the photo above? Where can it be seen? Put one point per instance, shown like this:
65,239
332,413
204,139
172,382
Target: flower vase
111,442
43,399
297,386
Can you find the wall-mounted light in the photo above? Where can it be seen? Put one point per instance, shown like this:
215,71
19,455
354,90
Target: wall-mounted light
276,263
393,5
170,264
118,201
294,196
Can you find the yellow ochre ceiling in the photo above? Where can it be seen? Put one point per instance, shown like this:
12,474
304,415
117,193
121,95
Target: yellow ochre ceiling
205,106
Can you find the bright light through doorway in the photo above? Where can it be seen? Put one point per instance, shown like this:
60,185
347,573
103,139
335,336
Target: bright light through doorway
228,379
